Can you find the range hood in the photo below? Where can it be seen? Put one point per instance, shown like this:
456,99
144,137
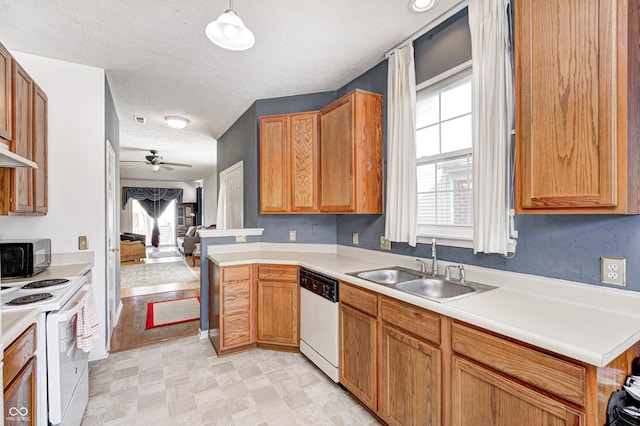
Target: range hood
11,159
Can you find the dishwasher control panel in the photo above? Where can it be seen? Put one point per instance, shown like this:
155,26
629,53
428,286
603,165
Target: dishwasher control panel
319,284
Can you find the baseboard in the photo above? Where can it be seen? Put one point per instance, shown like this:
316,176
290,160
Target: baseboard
118,312
203,334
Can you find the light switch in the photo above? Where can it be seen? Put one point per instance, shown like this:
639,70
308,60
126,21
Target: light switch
83,242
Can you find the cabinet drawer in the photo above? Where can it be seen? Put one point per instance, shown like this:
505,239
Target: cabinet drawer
554,375
18,353
236,330
236,273
362,300
422,323
278,273
236,297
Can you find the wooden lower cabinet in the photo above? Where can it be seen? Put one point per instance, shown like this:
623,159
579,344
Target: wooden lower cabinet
20,396
278,305
358,355
231,308
483,397
19,379
410,382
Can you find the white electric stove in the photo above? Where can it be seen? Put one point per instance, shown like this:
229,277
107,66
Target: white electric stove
61,300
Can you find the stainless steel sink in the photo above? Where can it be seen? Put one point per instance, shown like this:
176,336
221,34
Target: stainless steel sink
389,276
422,284
441,290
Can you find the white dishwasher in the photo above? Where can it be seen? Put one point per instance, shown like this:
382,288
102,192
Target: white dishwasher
319,321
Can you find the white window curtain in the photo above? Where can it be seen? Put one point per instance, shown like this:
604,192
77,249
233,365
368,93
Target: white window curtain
402,200
492,109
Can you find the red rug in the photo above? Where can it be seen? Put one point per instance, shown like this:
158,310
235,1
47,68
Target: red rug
176,311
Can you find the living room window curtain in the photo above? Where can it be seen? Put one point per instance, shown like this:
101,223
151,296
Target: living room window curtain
491,126
154,201
402,200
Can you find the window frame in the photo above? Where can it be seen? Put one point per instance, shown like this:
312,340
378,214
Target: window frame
450,235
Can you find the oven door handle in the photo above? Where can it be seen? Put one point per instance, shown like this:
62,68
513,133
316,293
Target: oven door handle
67,315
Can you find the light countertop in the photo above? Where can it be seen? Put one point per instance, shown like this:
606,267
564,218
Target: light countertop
587,323
15,322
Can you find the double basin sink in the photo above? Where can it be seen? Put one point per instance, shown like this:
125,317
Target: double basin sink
422,284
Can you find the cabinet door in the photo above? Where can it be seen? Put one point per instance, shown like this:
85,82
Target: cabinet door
40,183
358,355
20,396
482,397
566,109
274,165
22,178
6,112
278,312
337,157
410,380
304,158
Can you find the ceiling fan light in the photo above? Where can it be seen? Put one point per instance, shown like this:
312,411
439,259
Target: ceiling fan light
176,122
155,167
229,32
419,6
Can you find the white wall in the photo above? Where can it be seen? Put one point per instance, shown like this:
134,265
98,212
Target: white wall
76,168
210,199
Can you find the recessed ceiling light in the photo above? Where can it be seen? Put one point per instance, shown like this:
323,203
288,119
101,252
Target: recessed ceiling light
419,6
176,122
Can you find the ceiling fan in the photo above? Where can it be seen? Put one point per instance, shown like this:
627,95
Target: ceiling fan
155,161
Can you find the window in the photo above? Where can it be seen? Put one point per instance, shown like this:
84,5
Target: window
445,156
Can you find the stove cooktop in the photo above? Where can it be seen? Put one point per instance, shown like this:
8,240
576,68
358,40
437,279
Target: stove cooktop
47,295
45,283
32,298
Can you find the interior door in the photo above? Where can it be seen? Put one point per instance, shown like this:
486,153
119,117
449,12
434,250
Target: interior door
113,246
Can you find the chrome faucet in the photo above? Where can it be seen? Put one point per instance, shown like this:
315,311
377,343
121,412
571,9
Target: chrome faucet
447,272
434,263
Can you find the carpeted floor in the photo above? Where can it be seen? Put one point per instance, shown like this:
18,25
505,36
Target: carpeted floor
149,274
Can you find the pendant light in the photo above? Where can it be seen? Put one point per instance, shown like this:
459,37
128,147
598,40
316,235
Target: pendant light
229,32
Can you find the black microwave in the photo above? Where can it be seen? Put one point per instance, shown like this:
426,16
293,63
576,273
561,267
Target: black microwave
24,258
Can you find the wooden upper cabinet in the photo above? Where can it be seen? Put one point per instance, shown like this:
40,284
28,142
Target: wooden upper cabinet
351,154
288,163
22,144
577,109
6,111
304,162
40,144
274,164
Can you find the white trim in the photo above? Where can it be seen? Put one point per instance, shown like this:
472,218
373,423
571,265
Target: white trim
431,25
219,233
203,334
118,312
445,75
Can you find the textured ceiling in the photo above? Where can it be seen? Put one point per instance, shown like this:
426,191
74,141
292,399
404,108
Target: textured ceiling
159,62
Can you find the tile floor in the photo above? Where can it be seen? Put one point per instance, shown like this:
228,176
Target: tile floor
183,382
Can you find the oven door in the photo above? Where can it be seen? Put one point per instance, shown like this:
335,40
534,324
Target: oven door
66,364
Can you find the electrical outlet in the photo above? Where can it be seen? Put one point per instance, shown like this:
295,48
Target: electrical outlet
292,235
241,238
354,239
613,271
384,243
83,242
315,229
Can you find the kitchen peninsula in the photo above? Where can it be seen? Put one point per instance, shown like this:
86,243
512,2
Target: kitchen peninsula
561,347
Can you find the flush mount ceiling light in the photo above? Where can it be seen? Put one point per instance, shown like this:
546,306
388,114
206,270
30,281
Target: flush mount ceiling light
176,122
419,6
229,32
